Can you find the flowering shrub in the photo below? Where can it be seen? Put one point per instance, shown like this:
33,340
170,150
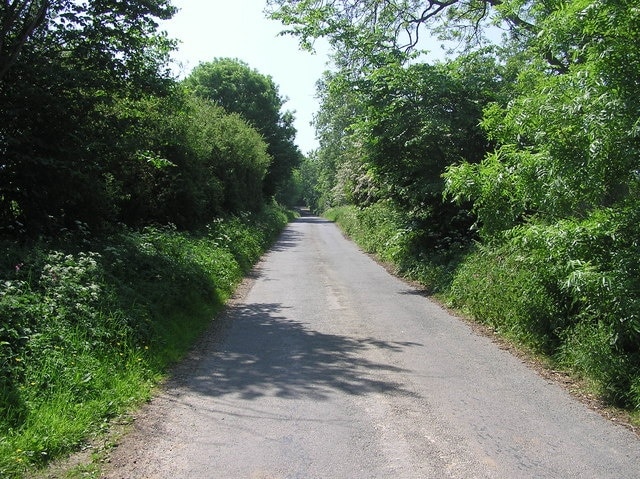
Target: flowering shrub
71,286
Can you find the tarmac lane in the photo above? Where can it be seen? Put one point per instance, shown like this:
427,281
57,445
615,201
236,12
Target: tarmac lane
327,366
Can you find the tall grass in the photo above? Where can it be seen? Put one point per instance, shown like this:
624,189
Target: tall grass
88,326
569,290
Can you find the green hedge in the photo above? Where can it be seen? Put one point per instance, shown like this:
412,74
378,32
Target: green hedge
88,327
569,290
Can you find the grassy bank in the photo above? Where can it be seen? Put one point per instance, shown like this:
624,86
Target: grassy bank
383,231
89,326
569,292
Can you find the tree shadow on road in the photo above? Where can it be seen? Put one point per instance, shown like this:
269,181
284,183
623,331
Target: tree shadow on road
261,352
312,219
289,238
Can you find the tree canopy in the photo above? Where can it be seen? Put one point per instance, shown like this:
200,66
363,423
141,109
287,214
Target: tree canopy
109,35
95,130
18,21
238,88
64,64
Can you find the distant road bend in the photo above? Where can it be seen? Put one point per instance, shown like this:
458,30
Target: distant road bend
328,367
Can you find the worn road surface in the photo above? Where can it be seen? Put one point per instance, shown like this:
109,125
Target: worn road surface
328,367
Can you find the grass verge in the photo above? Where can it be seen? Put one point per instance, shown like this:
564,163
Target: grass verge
88,326
565,293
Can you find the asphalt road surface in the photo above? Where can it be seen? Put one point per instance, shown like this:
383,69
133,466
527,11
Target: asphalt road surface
329,367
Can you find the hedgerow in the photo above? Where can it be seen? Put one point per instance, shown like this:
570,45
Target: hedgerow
89,326
568,290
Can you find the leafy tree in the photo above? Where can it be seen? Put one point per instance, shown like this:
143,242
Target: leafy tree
419,120
108,36
236,87
18,20
560,193
80,59
366,27
309,182
183,160
372,24
337,165
568,141
371,32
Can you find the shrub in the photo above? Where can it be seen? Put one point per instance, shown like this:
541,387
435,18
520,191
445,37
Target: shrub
570,289
496,286
87,326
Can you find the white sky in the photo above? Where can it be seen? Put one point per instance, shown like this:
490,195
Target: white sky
208,29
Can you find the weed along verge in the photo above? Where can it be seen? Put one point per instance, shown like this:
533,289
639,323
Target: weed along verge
89,326
535,292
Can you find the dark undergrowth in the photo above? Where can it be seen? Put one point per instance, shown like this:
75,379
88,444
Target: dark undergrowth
88,326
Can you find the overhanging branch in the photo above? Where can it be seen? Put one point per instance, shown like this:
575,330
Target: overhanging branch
19,20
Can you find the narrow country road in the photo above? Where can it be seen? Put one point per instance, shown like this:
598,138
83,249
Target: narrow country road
328,367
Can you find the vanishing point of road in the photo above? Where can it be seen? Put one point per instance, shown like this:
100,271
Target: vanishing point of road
329,367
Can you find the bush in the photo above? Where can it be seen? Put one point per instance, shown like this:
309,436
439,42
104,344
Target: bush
87,326
496,286
186,161
378,229
589,349
569,289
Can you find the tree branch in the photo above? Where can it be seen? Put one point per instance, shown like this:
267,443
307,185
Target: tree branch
34,15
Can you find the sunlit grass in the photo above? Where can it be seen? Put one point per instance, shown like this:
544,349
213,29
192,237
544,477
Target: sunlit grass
88,329
559,292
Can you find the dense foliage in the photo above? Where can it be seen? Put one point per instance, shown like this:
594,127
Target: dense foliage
94,129
388,135
236,87
534,145
80,59
129,209
559,196
89,326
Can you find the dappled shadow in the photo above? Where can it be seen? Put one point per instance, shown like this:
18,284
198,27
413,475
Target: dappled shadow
289,238
263,353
